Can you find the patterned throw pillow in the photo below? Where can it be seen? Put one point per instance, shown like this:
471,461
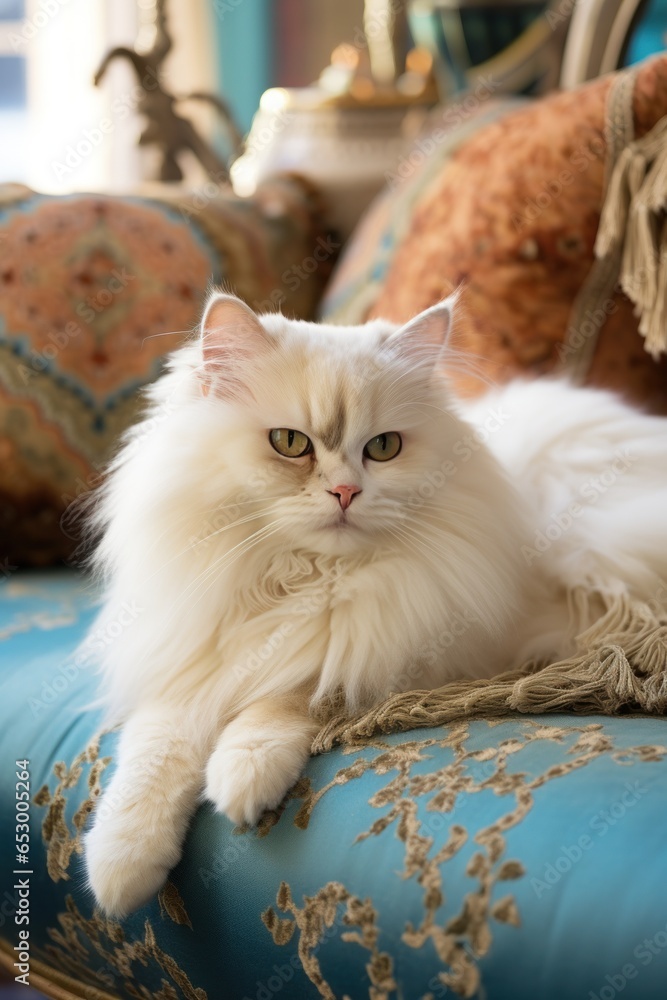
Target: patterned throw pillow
509,214
94,291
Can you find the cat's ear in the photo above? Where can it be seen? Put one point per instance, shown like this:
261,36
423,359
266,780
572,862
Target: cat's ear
232,336
425,337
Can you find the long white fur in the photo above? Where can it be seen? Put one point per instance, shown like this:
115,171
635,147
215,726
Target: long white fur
234,605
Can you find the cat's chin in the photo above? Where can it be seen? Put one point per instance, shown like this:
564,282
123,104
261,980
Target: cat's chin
338,539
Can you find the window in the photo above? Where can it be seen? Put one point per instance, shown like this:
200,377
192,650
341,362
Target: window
50,111
60,133
13,92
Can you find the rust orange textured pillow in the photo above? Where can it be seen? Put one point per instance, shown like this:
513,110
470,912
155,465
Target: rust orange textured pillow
88,286
512,217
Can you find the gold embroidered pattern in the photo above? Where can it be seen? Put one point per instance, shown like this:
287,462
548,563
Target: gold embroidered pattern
320,912
61,842
465,938
79,944
97,952
172,904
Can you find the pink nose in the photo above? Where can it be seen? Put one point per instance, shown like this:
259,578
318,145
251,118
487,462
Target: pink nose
345,494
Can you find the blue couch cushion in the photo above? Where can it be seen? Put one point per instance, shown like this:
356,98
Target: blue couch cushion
506,860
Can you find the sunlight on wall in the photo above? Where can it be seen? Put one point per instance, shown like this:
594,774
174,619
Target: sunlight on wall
74,125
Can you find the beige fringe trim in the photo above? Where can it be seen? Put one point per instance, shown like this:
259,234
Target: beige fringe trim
620,666
633,222
590,305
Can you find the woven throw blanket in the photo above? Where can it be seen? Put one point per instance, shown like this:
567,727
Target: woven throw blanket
620,666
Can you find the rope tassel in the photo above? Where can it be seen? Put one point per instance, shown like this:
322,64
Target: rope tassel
633,221
620,665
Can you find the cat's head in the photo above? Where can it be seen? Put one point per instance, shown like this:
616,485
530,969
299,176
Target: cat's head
330,431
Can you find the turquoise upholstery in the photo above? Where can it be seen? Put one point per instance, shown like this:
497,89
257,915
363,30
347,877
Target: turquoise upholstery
519,859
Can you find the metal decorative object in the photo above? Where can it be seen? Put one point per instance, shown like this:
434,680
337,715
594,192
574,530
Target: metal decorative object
385,27
516,44
165,128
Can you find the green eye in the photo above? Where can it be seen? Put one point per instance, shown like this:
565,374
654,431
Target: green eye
291,444
383,447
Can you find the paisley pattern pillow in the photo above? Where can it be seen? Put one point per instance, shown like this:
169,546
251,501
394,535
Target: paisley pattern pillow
93,292
509,215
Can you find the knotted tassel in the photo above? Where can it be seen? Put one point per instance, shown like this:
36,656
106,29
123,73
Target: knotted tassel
619,664
633,218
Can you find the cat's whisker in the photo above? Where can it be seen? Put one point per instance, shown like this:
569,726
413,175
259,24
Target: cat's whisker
178,555
404,540
429,550
460,354
185,515
433,406
437,537
210,572
393,413
426,546
406,372
234,524
242,503
169,333
253,541
196,541
220,562
209,576
478,375
205,579
451,356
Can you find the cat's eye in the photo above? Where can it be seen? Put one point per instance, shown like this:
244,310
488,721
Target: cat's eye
291,444
383,447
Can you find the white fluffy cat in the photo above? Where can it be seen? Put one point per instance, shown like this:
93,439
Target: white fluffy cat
307,510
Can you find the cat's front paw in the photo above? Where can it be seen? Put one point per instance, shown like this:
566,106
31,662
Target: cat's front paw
124,872
243,782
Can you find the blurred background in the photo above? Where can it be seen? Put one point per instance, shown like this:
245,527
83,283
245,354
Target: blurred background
59,132
149,96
